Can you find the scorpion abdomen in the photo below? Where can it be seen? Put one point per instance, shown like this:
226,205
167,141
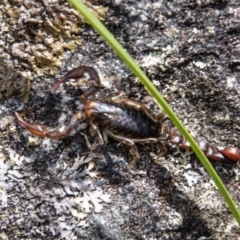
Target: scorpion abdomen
122,119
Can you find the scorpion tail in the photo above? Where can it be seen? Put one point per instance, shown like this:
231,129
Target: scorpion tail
230,153
215,153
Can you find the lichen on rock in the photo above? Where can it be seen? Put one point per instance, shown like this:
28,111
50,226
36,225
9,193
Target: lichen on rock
34,35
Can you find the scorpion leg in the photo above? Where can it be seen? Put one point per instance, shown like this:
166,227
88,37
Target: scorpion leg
141,106
94,130
79,72
118,85
133,147
157,161
41,131
131,144
137,105
150,100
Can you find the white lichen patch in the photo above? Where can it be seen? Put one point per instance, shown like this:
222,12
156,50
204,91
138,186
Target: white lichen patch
231,82
158,59
199,64
192,178
64,200
97,197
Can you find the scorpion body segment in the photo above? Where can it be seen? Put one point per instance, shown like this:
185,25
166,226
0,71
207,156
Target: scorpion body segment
215,153
125,120
122,119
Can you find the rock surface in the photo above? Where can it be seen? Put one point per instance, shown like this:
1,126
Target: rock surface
58,189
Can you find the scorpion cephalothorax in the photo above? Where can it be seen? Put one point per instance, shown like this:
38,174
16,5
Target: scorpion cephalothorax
125,120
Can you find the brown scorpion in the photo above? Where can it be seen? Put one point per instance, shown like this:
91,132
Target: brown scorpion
125,120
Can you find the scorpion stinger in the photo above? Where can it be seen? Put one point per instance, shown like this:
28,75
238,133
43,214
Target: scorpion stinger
125,120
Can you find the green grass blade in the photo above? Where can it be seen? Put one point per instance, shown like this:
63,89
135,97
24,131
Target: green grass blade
109,38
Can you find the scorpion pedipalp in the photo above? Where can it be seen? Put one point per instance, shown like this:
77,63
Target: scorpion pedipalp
79,72
36,129
56,133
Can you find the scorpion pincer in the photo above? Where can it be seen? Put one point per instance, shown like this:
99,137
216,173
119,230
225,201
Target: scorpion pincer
125,120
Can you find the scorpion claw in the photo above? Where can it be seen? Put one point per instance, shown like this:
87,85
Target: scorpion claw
36,129
78,73
56,133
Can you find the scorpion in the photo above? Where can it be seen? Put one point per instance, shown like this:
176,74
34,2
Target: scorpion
125,120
